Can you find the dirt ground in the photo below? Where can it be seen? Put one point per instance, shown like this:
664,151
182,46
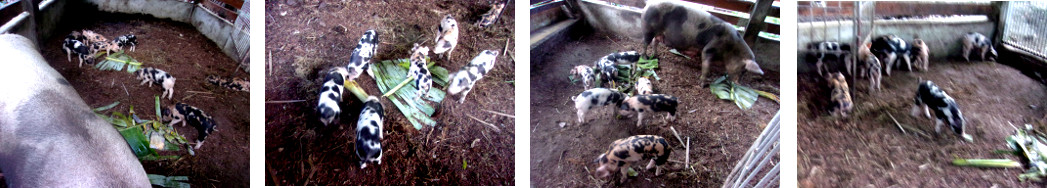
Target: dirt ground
304,37
720,132
868,149
189,56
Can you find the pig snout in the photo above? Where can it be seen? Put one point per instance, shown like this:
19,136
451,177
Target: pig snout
753,67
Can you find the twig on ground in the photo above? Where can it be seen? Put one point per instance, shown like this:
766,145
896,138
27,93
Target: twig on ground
502,114
899,125
687,159
676,134
201,92
496,129
506,48
125,90
283,101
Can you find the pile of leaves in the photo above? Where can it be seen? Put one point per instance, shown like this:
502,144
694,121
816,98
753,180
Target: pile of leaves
1028,145
117,61
743,97
145,137
627,75
391,78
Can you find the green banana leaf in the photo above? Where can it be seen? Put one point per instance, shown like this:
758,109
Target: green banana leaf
169,181
389,74
116,62
742,96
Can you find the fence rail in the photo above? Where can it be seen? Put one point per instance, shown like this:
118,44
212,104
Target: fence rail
1024,27
757,157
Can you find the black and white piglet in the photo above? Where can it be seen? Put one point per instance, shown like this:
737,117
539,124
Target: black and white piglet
607,63
184,113
624,152
889,48
126,40
596,97
585,73
369,132
836,50
463,80
153,75
976,41
491,16
360,59
946,111
331,95
419,70
82,51
649,103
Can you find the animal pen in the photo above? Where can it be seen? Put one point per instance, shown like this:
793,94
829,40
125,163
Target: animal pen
566,33
882,143
191,40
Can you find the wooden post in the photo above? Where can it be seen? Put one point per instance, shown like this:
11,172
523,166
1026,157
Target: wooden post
30,23
756,21
1000,9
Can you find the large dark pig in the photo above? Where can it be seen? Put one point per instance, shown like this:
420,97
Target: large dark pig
49,137
690,30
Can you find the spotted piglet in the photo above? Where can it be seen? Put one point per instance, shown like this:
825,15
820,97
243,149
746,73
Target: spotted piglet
82,51
331,95
977,41
585,73
104,46
596,97
624,152
607,63
360,59
184,113
419,70
464,80
946,111
491,16
153,75
841,95
126,40
92,37
447,36
921,54
650,103
369,132
643,86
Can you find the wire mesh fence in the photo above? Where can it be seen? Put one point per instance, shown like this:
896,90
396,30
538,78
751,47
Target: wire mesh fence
1026,26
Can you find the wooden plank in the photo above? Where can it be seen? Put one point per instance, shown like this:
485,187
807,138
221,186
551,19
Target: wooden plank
756,23
735,5
906,9
235,3
771,28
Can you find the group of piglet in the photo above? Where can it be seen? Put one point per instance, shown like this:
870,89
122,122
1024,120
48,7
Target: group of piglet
679,25
369,125
893,50
86,44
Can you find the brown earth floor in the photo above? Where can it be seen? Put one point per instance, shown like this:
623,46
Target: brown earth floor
189,56
304,37
868,149
720,132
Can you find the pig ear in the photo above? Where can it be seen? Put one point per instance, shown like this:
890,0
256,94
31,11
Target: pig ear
752,66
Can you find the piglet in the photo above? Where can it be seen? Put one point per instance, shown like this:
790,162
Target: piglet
585,73
369,132
643,86
596,97
126,40
841,95
649,103
360,58
976,41
464,80
946,111
419,70
491,16
447,36
607,64
184,113
624,152
331,95
153,75
921,54
82,51
889,48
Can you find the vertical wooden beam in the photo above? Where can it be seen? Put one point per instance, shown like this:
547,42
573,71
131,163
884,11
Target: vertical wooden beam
756,21
30,23
1001,22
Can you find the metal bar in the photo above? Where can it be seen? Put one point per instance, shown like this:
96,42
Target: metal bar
6,28
766,178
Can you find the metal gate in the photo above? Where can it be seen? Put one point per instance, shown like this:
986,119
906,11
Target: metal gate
1025,27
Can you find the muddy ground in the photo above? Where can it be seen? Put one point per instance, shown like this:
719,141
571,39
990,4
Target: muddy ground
868,149
304,37
189,56
720,132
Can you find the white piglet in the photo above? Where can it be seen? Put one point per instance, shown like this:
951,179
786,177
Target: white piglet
446,36
463,80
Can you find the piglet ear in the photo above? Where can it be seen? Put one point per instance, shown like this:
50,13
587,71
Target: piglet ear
753,67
